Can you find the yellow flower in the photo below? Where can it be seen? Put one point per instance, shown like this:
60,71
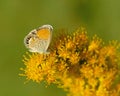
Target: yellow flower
80,65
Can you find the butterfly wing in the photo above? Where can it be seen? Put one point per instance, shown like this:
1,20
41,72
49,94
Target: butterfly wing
44,33
39,40
31,41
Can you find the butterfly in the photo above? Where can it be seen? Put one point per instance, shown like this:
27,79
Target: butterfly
38,40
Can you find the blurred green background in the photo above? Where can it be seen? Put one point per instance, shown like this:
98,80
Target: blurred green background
18,17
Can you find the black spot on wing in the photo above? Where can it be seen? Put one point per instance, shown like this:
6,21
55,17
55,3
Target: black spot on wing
27,39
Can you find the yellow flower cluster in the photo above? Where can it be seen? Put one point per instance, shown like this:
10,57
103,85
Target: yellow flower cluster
81,65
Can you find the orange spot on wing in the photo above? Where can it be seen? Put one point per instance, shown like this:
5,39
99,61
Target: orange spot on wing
43,33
